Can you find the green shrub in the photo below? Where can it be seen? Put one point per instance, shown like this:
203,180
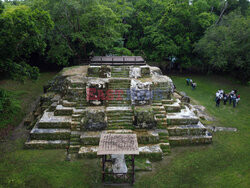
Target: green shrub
9,108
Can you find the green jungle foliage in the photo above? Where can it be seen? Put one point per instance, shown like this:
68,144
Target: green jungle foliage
200,35
9,107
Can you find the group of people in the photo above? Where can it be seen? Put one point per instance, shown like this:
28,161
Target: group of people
191,83
232,97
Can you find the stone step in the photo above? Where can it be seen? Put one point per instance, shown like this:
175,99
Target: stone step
48,120
77,85
182,121
74,143
121,117
75,134
74,148
185,117
170,101
158,109
160,112
88,152
161,119
120,124
122,81
79,111
90,138
119,114
78,89
47,144
189,140
69,104
185,130
120,121
63,111
120,75
75,139
143,137
174,107
171,109
156,104
50,134
162,124
160,115
76,115
119,109
119,102
151,152
147,137
118,105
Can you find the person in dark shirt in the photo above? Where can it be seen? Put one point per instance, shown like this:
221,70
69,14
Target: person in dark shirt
225,98
234,100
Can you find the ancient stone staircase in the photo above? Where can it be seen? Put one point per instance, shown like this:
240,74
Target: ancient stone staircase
160,114
119,117
172,105
74,144
51,131
185,128
120,88
120,72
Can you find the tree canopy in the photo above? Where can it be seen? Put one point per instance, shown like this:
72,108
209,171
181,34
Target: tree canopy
197,35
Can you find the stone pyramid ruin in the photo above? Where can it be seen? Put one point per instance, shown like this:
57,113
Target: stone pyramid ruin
82,102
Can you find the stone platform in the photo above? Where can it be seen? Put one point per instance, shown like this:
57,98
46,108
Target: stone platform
83,102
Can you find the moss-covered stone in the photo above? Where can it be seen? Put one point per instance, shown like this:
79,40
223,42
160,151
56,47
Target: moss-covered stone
165,147
44,144
95,119
90,138
144,117
93,71
88,152
145,72
151,152
147,137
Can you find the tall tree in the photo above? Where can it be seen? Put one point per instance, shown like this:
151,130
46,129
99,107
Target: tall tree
226,47
22,32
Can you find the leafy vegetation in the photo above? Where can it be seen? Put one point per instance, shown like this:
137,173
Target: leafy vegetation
8,105
198,35
226,47
16,98
22,33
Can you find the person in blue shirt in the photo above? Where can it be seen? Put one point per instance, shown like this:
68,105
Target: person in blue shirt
188,80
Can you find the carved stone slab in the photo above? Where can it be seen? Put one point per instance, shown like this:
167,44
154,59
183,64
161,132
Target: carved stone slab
118,144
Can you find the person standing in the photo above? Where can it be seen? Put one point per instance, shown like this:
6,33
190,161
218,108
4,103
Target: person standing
234,100
225,97
193,86
231,96
237,99
217,99
191,81
188,80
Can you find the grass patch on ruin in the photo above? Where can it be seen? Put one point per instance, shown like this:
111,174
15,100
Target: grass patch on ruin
225,163
22,95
